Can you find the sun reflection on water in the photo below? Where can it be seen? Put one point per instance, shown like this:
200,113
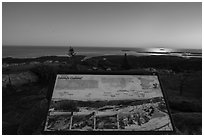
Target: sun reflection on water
159,50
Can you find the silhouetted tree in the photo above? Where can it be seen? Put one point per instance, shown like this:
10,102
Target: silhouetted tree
71,55
71,52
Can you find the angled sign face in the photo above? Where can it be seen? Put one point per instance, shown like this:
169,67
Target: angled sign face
108,103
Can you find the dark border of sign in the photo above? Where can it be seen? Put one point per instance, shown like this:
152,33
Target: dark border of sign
50,92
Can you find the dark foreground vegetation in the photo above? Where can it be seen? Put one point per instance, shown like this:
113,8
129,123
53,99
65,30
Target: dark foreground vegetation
25,106
117,62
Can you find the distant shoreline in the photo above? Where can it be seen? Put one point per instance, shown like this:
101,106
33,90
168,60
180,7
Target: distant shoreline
37,51
173,54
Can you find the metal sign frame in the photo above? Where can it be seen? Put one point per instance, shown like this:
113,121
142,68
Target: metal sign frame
50,93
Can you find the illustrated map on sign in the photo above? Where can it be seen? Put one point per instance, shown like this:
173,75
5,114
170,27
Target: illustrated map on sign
108,103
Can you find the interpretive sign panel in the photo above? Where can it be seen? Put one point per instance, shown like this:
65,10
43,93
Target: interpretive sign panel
108,103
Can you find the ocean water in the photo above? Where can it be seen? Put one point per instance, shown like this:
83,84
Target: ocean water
38,51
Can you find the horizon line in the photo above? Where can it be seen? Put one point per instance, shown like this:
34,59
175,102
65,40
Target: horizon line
143,47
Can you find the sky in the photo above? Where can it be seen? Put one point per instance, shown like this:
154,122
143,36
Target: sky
168,25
